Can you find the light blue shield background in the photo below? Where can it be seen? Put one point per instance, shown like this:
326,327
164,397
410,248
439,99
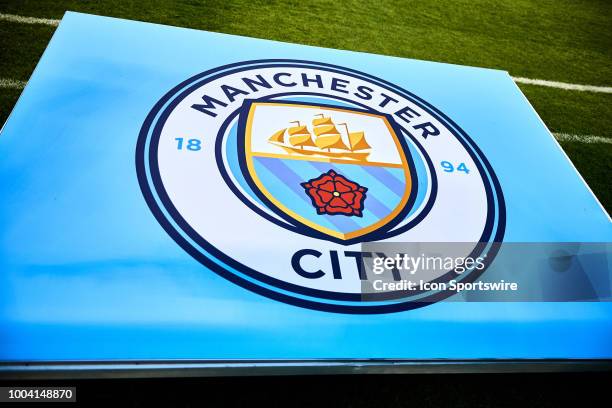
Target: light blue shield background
86,272
283,179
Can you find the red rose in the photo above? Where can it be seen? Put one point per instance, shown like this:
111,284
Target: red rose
333,194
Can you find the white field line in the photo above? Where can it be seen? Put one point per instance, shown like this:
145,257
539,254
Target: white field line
28,20
567,137
563,85
12,84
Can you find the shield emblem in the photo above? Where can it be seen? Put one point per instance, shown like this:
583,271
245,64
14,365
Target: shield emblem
334,172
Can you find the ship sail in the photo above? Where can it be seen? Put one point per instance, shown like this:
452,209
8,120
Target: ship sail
327,135
358,141
322,121
300,136
278,137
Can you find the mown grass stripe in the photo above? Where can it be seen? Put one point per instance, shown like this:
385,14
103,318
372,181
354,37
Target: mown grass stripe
28,20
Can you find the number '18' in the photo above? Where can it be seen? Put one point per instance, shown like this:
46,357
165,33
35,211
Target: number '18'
192,144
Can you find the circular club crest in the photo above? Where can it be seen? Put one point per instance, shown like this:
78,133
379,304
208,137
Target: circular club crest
274,173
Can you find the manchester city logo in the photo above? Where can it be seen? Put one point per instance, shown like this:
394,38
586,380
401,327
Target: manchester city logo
274,173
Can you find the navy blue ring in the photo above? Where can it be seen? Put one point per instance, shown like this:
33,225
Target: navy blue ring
367,309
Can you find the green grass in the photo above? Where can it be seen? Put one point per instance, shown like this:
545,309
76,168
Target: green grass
553,39
594,164
8,97
584,113
21,46
569,41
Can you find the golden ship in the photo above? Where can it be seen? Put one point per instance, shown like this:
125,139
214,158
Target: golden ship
327,140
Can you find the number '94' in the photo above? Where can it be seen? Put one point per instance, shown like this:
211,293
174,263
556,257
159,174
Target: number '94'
450,168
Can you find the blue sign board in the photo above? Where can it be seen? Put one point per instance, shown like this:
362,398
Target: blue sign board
177,194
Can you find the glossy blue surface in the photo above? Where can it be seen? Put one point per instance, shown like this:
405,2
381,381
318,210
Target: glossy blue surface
86,272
